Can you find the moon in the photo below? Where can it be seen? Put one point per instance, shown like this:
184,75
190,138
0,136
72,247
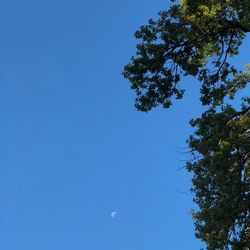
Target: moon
113,214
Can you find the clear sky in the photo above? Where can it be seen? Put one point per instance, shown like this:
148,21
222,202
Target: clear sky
73,148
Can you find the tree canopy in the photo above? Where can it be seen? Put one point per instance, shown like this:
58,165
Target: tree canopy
197,38
184,41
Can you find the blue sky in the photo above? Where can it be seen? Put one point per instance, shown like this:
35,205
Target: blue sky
73,148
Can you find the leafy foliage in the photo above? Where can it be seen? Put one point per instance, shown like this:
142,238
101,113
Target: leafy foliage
221,181
196,38
184,41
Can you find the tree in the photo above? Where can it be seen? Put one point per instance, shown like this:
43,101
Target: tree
221,177
197,38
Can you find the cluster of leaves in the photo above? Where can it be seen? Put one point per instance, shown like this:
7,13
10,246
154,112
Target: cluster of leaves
184,41
221,182
196,38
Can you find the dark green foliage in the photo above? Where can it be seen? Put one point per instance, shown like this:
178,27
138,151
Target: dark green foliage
180,43
196,38
221,181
